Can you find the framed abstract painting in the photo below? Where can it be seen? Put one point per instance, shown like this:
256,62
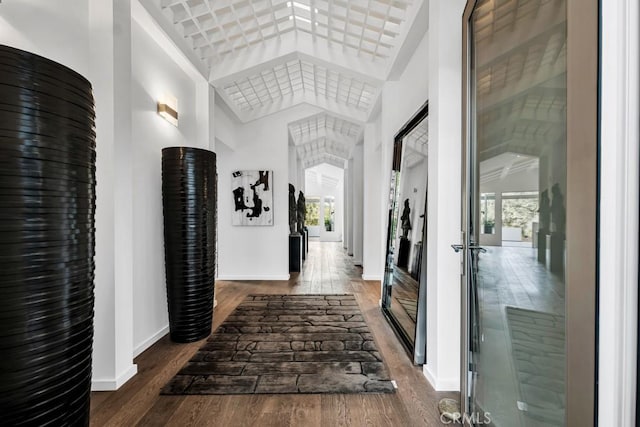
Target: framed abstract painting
252,197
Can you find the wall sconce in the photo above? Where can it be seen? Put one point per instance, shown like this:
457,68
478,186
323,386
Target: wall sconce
168,109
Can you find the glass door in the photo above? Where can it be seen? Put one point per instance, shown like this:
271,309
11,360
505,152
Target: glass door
529,212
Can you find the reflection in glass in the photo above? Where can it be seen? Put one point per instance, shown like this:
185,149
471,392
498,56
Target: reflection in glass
519,212
518,188
488,212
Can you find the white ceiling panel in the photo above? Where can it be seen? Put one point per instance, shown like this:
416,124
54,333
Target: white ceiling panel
324,136
298,77
224,27
325,125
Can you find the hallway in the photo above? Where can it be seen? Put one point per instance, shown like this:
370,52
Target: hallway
327,270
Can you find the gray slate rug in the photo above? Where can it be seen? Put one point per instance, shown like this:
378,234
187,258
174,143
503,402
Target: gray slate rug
287,344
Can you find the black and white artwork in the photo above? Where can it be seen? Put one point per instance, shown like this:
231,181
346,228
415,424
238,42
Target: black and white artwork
252,197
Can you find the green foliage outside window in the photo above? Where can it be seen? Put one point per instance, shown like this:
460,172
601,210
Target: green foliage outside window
312,214
520,213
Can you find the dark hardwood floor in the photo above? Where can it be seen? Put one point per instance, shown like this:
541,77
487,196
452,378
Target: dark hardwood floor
327,270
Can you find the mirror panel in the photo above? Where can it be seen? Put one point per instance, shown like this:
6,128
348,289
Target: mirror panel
406,233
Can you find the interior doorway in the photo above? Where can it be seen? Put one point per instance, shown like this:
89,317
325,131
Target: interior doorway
324,186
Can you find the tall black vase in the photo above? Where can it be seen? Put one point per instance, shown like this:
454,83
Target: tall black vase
47,241
189,203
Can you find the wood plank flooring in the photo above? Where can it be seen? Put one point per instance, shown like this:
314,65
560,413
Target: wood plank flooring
327,270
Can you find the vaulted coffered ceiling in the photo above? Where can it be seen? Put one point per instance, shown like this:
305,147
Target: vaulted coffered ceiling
324,138
220,28
264,56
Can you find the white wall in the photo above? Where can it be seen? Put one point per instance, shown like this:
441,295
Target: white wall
346,218
373,218
293,168
401,100
350,196
225,124
358,204
443,212
256,253
154,73
57,30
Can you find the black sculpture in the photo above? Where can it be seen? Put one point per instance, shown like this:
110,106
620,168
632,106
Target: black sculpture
558,213
406,219
558,219
302,209
544,212
545,226
293,209
189,191
47,235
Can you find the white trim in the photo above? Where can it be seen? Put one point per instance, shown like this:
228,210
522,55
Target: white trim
275,277
619,213
114,384
373,277
150,341
449,384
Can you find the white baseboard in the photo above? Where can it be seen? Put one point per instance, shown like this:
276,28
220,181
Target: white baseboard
374,277
114,384
150,341
250,278
447,384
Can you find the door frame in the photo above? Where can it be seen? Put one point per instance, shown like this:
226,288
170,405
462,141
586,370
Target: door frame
582,198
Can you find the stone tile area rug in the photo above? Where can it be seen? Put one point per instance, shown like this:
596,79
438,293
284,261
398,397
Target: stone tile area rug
287,344
537,346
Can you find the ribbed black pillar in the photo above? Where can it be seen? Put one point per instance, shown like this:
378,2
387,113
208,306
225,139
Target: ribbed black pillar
189,202
47,205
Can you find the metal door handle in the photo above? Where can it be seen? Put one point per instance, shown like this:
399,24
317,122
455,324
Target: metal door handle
457,248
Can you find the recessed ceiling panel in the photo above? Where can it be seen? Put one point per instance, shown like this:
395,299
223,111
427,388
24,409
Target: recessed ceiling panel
223,27
295,77
324,124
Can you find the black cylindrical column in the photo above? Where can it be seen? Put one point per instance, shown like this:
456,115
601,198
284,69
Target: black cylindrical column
47,241
189,203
